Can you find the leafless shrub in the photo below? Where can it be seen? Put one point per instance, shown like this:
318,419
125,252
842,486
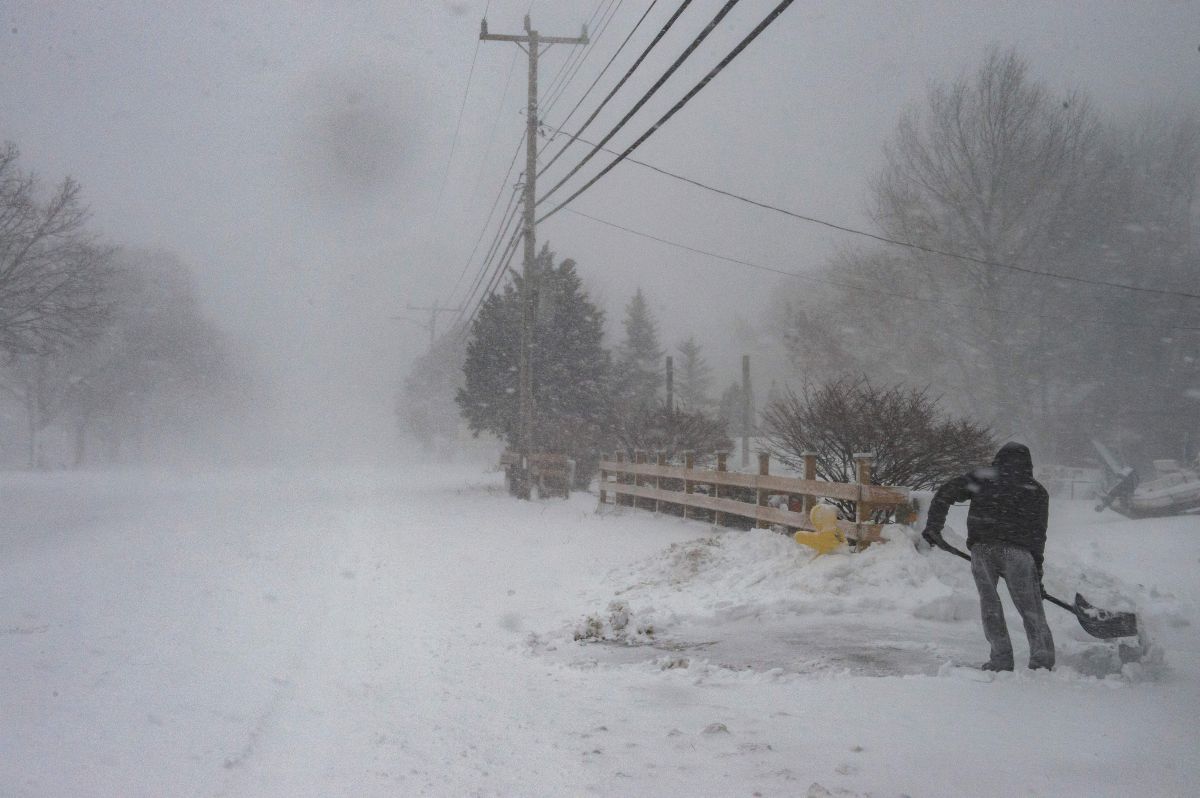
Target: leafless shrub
655,428
914,443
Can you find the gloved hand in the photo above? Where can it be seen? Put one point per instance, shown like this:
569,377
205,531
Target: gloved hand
933,538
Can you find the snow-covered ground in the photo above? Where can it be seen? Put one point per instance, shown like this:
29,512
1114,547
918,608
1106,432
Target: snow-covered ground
361,633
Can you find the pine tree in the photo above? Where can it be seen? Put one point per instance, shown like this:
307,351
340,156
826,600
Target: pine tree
694,377
639,357
570,367
423,405
732,407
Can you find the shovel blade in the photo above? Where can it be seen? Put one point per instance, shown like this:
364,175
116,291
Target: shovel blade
1104,624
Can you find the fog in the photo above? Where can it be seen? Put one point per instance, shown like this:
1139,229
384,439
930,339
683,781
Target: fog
297,158
283,517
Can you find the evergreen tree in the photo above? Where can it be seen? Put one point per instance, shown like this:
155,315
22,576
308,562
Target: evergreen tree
423,405
732,408
694,377
639,357
570,367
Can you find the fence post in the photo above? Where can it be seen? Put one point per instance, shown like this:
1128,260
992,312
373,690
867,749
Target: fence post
603,483
810,473
639,458
764,468
862,510
620,456
660,459
722,463
689,462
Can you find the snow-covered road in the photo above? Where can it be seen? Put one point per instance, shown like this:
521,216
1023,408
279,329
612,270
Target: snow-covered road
363,633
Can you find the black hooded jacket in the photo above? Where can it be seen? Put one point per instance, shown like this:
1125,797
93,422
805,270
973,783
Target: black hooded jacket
1007,503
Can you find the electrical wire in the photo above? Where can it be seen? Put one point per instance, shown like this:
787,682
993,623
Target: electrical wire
897,242
501,268
461,109
613,58
506,216
501,231
499,193
576,52
552,101
495,124
863,289
728,59
658,37
691,48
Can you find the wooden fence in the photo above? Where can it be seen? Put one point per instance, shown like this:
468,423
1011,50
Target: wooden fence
551,473
641,483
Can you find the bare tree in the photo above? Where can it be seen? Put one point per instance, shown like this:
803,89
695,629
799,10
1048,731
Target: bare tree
656,428
997,169
155,364
51,269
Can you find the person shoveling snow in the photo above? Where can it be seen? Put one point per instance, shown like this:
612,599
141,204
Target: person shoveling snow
1006,535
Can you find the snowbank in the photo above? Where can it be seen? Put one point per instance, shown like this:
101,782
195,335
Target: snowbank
698,589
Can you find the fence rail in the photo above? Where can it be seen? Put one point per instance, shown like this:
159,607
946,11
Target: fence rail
551,473
628,482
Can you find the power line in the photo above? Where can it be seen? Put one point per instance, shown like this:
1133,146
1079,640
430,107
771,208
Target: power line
896,241
461,108
506,216
864,289
613,58
501,267
556,96
576,54
501,231
495,123
709,28
745,42
662,32
495,202
509,212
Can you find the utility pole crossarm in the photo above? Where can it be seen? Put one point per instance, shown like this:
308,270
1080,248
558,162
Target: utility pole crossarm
433,314
504,37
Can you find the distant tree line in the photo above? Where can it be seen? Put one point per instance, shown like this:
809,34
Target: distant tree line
100,345
589,399
929,350
997,167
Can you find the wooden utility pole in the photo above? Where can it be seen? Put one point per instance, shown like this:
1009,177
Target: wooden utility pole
531,42
433,314
747,411
670,384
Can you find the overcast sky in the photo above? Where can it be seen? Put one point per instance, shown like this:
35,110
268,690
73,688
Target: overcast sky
294,153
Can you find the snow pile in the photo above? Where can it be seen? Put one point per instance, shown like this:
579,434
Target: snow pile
703,588
733,575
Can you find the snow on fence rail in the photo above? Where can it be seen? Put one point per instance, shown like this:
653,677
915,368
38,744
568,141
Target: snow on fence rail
629,482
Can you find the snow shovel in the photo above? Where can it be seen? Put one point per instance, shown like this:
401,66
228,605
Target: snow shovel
1104,624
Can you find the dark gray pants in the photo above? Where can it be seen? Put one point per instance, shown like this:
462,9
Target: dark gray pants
989,562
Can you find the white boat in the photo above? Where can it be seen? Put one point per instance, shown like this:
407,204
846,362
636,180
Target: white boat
1175,490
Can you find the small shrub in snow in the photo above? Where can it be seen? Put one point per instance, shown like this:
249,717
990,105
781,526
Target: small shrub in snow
914,442
614,628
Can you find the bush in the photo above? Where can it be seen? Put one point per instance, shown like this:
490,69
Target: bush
915,444
654,428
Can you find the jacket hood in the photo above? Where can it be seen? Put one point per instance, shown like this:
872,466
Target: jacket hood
1013,463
